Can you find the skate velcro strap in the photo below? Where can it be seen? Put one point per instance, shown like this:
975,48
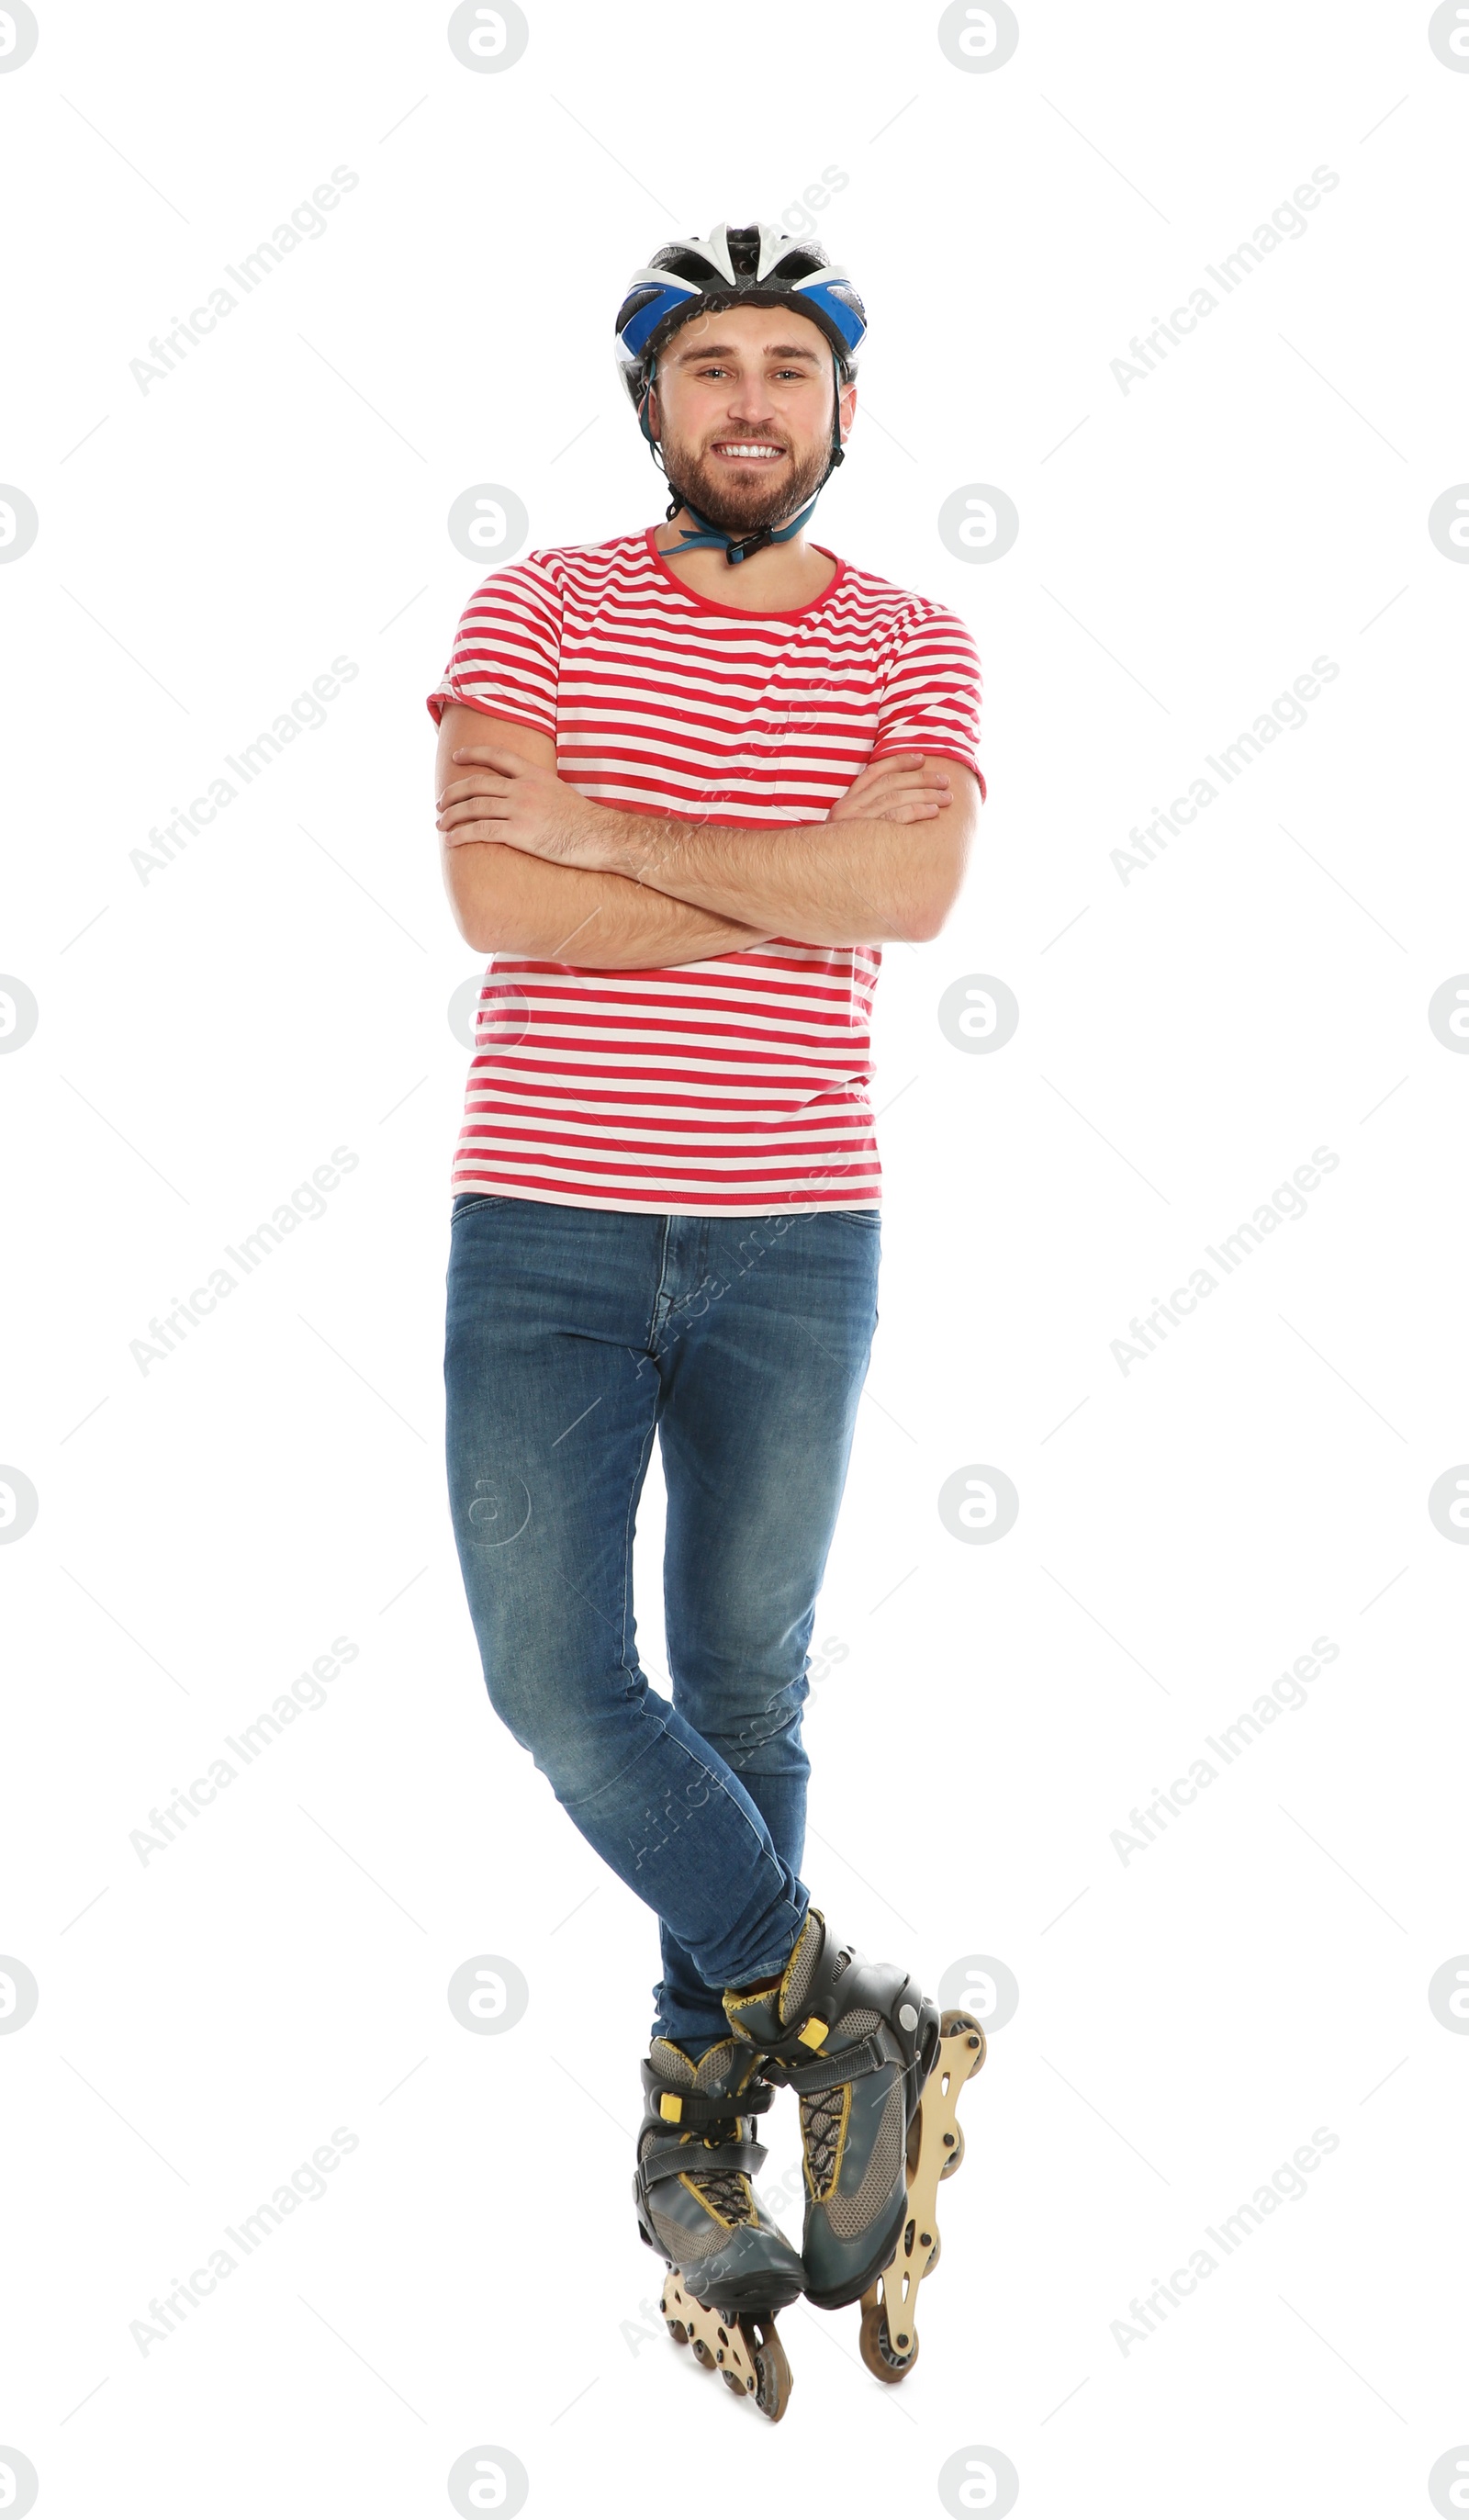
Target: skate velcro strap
843,2065
661,2160
688,2108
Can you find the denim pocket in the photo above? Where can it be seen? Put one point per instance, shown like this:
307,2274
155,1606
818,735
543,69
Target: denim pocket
868,1219
469,1198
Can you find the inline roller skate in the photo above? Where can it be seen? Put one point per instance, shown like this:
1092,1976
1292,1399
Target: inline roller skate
878,2071
731,2268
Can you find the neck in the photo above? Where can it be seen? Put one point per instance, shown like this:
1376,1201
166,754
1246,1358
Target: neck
777,580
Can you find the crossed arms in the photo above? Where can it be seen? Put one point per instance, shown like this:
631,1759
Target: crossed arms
533,868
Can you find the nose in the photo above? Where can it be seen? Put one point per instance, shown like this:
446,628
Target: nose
752,406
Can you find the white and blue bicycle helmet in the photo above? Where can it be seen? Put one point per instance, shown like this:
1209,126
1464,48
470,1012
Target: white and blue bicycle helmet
750,266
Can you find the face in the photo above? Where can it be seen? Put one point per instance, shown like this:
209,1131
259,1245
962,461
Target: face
741,408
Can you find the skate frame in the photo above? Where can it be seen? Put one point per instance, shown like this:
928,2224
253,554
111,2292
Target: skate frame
730,2344
891,2302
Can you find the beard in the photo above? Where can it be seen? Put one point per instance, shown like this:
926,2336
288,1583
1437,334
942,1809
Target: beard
744,504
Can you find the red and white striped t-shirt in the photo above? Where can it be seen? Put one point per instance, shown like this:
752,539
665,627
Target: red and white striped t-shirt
737,1085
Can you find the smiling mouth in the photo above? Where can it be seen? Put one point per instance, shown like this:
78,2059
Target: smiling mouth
739,450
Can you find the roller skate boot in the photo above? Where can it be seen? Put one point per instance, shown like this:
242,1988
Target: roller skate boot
731,2268
878,2071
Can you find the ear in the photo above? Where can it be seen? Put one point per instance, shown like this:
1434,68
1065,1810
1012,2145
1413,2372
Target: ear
847,407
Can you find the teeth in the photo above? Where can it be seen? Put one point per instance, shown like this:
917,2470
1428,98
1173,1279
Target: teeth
764,451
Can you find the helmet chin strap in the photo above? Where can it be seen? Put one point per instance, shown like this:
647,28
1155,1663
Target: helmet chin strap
739,547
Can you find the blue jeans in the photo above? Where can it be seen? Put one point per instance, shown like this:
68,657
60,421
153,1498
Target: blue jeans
574,1334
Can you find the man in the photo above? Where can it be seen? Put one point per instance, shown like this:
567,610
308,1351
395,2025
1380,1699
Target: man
690,780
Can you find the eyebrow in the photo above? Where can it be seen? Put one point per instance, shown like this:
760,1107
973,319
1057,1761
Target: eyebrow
730,350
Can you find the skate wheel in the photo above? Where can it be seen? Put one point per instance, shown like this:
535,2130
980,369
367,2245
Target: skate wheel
678,2331
772,2369
952,2023
934,2254
953,2160
876,2345
702,2355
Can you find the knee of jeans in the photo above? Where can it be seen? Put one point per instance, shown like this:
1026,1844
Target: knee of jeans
753,1718
751,1700
522,1691
572,1733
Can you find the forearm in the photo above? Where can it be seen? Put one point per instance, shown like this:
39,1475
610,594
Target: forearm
856,878
853,882
507,902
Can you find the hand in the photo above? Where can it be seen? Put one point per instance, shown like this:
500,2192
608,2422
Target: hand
522,804
899,788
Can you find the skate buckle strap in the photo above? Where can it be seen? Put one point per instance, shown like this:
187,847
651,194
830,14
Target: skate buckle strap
662,2160
842,2065
680,2108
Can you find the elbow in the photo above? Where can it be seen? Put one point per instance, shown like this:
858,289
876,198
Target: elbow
935,908
471,912
474,932
931,920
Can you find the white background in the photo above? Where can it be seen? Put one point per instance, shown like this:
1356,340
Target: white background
1186,2019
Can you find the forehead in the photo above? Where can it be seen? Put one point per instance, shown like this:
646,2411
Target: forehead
748,332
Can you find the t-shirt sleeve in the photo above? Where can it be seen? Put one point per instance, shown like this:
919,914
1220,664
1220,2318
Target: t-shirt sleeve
506,659
932,700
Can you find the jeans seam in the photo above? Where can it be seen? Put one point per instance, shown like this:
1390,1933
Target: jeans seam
626,1541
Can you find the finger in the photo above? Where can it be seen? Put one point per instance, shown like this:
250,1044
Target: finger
495,756
486,798
878,804
915,775
885,800
485,783
472,832
905,791
474,809
885,769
